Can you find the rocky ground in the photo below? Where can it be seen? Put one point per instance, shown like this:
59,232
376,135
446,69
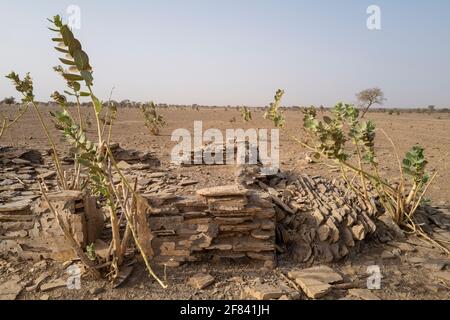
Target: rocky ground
410,268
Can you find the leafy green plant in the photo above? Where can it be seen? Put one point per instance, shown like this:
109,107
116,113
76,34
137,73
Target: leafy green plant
153,121
246,114
90,251
25,88
274,114
328,137
96,157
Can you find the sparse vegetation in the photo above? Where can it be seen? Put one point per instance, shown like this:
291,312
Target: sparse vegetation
97,157
153,121
246,114
401,197
369,97
274,114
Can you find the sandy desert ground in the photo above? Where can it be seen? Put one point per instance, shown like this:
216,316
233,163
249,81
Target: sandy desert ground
415,272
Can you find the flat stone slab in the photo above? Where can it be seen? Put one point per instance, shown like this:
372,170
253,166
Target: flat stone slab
313,288
47,175
264,292
363,294
315,281
231,190
201,281
10,289
65,195
22,205
321,273
54,284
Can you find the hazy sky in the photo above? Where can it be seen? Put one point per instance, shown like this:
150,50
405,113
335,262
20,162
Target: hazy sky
240,52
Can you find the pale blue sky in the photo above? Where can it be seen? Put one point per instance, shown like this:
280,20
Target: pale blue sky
239,52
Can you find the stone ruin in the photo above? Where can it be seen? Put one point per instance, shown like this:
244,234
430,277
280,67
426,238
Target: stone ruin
33,233
220,222
311,218
318,219
227,150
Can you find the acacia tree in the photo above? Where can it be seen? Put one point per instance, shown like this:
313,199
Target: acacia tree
368,98
9,101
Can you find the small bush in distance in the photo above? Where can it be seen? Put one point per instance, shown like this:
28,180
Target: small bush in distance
153,121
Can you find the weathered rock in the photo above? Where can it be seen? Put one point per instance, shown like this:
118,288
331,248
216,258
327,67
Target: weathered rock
19,207
47,175
38,281
201,281
363,294
315,281
10,289
185,183
223,226
54,284
322,273
264,292
233,190
442,275
358,232
314,289
123,165
101,249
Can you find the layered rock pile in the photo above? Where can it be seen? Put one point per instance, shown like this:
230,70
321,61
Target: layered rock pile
28,233
220,222
223,153
318,219
129,155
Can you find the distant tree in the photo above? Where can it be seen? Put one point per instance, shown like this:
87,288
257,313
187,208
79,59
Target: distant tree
368,98
431,108
322,109
9,101
153,121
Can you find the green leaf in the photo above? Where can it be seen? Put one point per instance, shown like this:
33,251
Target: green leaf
406,163
76,86
72,77
61,50
81,60
84,94
87,76
67,35
97,104
67,62
74,45
84,162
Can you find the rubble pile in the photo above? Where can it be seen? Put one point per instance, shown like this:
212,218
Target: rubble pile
219,222
33,233
207,154
19,171
318,219
134,156
120,154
